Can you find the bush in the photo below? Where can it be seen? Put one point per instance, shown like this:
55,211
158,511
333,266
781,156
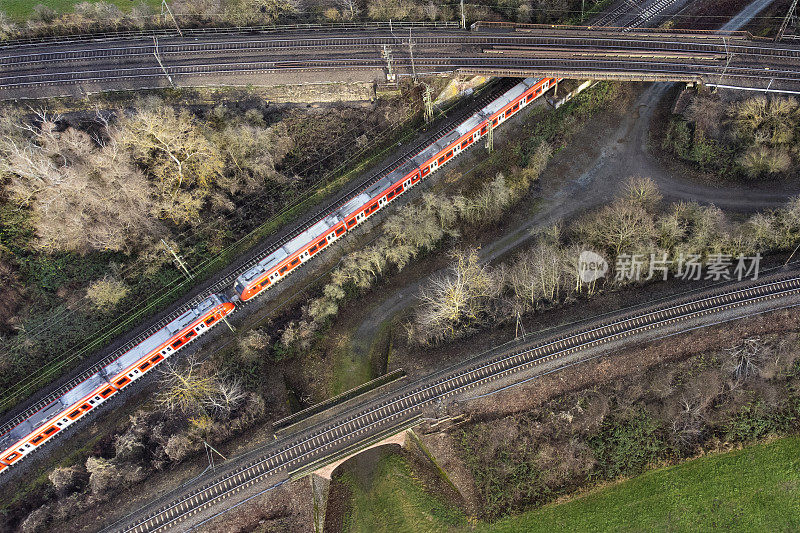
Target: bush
625,446
107,292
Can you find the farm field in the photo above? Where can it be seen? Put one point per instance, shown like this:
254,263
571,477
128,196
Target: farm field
753,489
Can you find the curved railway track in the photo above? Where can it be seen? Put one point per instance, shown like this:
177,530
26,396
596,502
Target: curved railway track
401,408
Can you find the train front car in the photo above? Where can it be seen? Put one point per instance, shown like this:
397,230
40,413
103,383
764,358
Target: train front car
87,395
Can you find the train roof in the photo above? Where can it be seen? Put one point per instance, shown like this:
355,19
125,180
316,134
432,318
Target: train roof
317,230
353,205
471,123
508,96
44,415
382,184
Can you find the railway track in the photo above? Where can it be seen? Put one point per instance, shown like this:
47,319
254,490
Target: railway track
224,283
646,55
335,438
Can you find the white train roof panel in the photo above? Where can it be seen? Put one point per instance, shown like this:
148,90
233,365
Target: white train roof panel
516,91
252,273
44,415
20,431
471,123
76,394
353,205
380,186
496,105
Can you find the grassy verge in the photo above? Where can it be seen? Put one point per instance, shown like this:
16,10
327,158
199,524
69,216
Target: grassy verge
22,9
395,501
753,489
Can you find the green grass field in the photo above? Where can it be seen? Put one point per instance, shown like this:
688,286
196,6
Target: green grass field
393,501
754,489
21,9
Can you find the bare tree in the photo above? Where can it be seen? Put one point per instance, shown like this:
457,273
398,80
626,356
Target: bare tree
172,146
745,359
82,197
455,301
190,390
643,192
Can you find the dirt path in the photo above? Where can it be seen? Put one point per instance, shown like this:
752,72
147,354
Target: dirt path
599,167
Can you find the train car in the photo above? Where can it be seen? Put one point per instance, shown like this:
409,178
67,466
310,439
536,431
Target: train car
100,386
132,365
302,247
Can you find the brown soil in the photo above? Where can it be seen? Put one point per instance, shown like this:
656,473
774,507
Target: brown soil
287,508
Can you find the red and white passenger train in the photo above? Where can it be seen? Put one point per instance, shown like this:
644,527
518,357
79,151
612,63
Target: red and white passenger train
42,426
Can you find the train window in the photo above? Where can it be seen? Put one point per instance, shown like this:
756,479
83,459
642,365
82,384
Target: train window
449,154
209,321
284,269
58,424
494,122
312,249
86,407
106,392
50,430
123,381
483,130
514,107
37,439
340,231
425,171
294,261
191,334
351,223
441,160
144,366
464,144
155,359
398,189
75,413
390,195
177,344
91,402
414,178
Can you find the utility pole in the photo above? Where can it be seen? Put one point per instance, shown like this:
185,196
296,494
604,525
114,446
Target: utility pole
463,18
230,326
387,54
791,16
210,451
165,9
178,260
158,58
428,101
520,326
411,53
490,138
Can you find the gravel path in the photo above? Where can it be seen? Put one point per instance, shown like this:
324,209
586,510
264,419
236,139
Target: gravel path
611,160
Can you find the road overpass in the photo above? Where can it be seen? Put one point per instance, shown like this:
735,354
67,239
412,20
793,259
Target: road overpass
731,59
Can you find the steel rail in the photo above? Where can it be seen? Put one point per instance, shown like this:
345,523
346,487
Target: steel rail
289,456
224,283
685,43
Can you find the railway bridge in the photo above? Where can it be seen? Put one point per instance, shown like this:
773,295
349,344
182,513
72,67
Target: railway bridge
370,420
718,59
